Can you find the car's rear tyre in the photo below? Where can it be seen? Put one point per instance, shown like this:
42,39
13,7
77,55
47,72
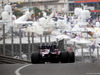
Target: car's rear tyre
71,57
35,58
64,57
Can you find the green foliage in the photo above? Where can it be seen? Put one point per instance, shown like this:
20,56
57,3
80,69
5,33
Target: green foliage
48,11
37,11
17,13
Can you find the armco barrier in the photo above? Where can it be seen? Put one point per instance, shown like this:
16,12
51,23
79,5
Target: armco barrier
9,60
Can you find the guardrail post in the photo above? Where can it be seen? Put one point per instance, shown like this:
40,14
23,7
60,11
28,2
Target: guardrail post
29,45
32,42
12,44
20,43
4,40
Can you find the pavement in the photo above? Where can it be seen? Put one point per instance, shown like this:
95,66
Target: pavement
51,69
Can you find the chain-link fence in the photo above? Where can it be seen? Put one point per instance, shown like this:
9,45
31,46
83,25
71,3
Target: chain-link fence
84,53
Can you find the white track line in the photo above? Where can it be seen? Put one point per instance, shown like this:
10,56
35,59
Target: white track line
17,71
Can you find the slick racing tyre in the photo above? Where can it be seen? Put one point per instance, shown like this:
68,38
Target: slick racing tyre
35,58
64,57
71,57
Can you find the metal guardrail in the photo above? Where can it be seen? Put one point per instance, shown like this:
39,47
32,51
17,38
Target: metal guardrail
9,60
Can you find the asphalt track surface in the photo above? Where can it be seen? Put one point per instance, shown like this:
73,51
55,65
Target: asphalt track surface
50,69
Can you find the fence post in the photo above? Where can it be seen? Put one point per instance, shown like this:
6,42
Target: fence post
20,43
32,42
45,40
64,44
87,36
97,54
82,54
40,40
74,47
90,54
57,42
12,44
4,40
49,40
29,45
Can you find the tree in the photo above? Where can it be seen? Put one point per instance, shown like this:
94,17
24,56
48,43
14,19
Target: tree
37,12
17,13
48,11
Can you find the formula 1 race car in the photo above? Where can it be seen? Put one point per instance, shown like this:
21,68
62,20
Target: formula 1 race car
52,54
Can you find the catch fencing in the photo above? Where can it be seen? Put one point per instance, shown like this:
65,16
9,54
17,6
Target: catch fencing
15,49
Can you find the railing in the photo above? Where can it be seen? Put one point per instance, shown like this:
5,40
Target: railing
88,56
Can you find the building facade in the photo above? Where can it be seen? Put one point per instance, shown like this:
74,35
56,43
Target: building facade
92,5
42,4
67,6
